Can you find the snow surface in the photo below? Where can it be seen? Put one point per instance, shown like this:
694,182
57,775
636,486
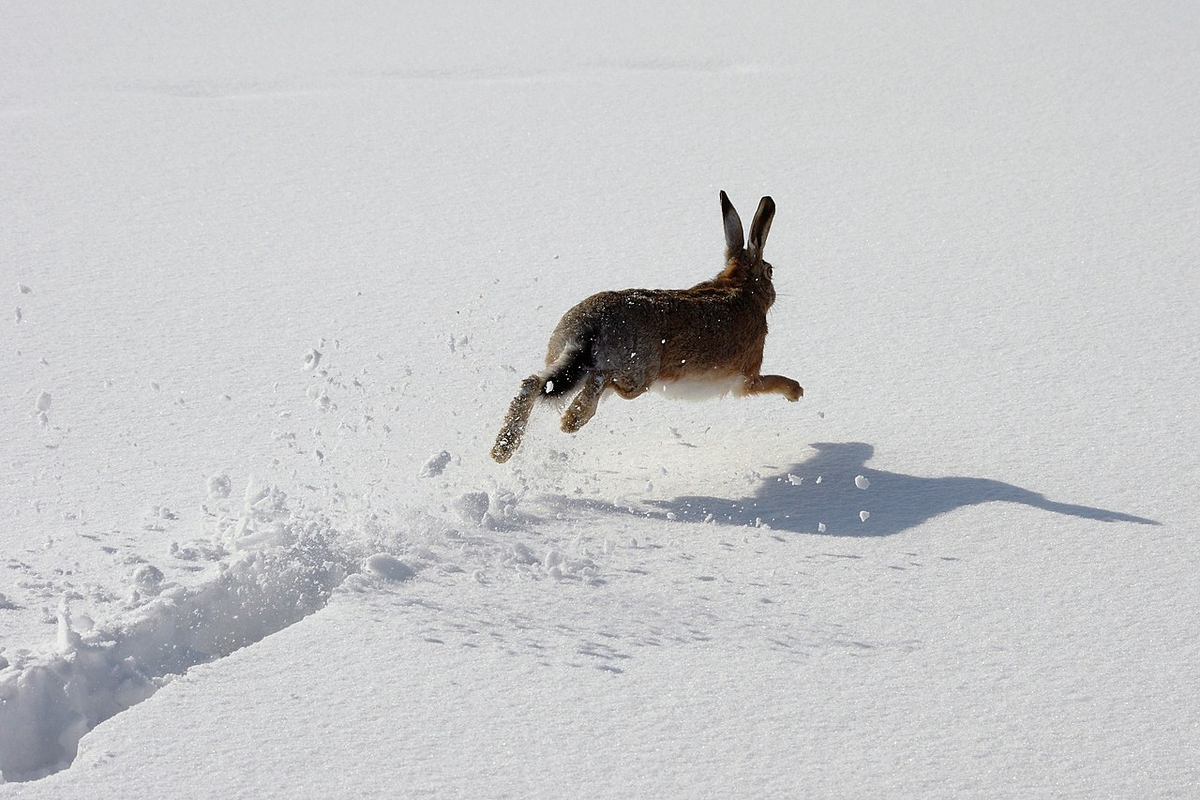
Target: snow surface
276,270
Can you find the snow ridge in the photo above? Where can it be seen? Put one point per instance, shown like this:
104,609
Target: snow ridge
290,572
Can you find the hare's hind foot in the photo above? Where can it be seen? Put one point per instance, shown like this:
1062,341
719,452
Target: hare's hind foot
773,384
583,407
509,438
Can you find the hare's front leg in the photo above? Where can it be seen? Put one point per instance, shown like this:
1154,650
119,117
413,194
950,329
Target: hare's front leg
583,407
773,384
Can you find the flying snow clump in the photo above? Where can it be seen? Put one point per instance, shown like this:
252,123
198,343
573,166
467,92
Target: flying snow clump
436,465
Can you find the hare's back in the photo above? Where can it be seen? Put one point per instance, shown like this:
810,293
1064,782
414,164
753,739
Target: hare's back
669,332
646,313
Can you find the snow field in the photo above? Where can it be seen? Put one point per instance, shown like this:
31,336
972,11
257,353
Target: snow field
281,289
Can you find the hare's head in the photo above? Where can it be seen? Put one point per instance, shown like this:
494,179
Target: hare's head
744,264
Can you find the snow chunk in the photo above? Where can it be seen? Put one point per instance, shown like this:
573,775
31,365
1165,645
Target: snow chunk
147,579
312,359
794,481
261,522
864,515
219,487
472,507
436,465
521,554
41,409
320,398
68,639
862,482
390,568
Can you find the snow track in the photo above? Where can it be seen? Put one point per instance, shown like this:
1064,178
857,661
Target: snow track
272,563
46,707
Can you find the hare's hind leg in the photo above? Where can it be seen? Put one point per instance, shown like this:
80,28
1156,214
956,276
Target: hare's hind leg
773,384
583,407
509,438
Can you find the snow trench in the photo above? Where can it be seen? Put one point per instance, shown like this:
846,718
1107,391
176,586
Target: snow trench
288,570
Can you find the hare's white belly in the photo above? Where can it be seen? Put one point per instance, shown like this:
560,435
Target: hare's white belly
698,387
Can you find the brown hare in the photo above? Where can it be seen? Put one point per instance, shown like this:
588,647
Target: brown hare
704,340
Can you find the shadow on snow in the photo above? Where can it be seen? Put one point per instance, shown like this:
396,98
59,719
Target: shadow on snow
896,502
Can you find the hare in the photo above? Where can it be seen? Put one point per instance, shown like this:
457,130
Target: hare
706,339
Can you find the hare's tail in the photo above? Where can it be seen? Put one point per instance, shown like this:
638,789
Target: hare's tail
563,375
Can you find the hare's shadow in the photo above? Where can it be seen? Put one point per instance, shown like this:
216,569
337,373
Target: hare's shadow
795,501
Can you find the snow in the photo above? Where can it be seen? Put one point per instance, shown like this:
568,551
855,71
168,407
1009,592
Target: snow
389,567
312,359
436,465
278,279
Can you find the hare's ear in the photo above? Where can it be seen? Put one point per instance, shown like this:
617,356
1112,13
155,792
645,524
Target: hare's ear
734,239
761,227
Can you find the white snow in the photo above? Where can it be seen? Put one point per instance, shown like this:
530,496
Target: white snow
389,567
435,465
984,253
219,487
472,507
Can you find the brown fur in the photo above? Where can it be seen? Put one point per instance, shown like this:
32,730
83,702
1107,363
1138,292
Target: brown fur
629,340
